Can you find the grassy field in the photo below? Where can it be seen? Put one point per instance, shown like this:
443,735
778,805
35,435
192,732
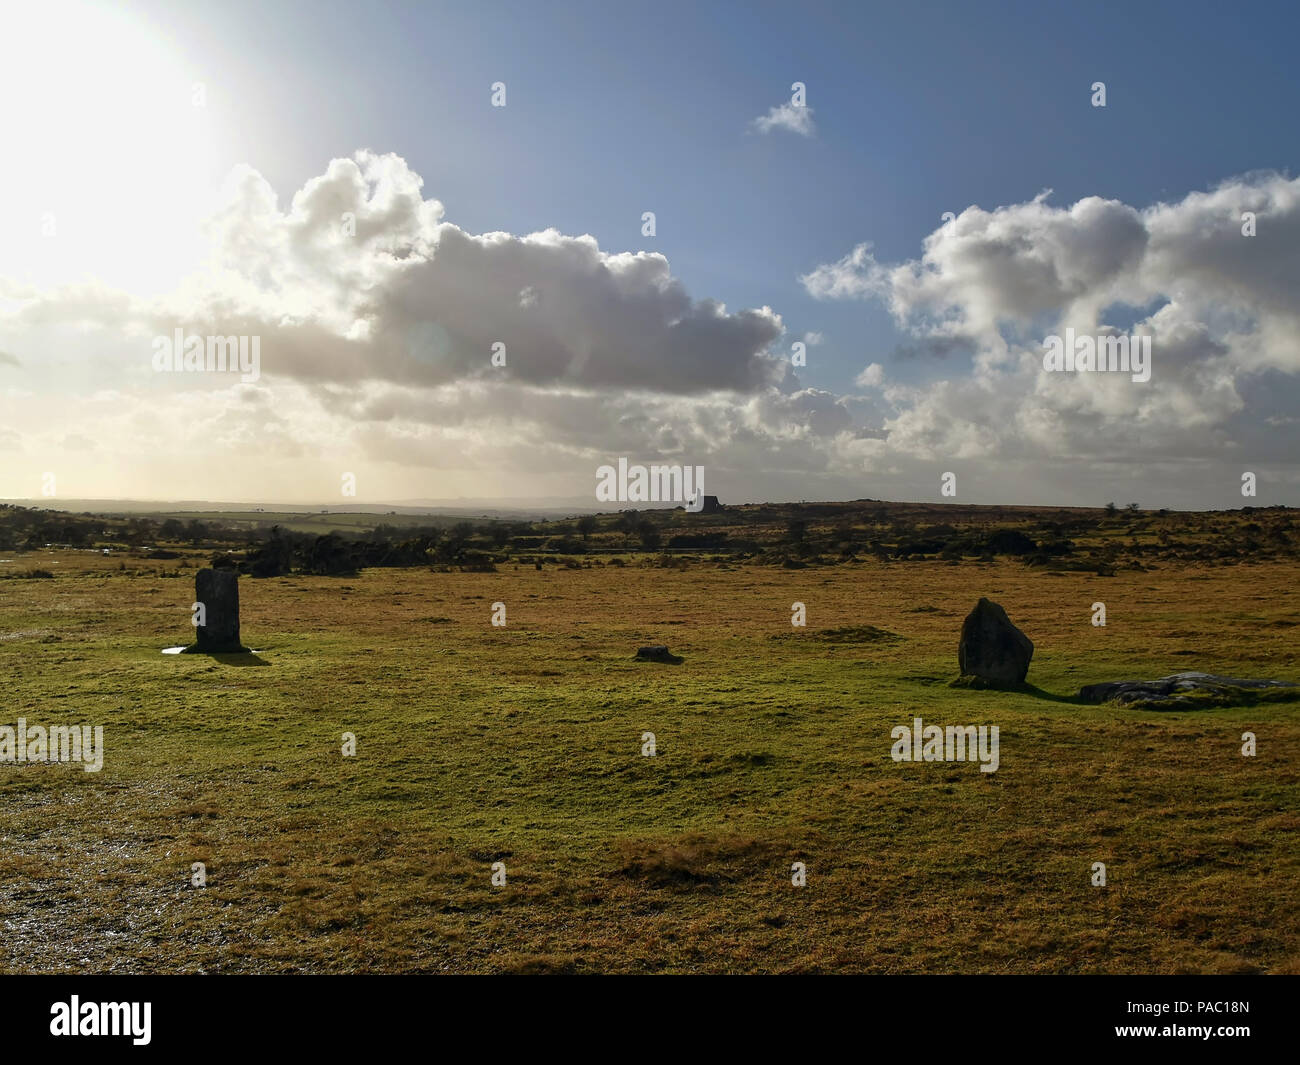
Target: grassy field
522,744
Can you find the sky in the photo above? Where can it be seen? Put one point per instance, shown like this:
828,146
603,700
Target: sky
334,181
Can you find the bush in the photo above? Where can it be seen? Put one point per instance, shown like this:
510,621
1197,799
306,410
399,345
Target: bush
1010,542
1057,548
713,540
918,547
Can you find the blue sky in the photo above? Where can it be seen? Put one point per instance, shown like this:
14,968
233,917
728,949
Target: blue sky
619,108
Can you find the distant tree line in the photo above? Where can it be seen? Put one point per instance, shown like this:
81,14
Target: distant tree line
771,534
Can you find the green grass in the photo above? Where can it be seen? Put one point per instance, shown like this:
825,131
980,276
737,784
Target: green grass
478,744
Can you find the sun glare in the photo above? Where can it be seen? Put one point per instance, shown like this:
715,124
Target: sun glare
111,155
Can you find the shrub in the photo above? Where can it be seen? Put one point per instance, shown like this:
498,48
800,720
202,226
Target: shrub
1010,542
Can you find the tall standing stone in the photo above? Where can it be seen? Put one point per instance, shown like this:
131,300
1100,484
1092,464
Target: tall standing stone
218,591
991,649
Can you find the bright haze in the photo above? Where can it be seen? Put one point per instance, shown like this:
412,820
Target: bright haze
335,180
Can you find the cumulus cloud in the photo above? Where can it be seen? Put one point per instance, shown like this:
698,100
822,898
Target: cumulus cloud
373,307
856,276
1219,306
791,117
988,268
361,278
872,377
378,316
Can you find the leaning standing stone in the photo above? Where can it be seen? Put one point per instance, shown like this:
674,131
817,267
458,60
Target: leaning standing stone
992,651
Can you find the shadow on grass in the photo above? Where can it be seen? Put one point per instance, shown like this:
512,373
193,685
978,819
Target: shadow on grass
1173,704
1051,697
1032,690
248,659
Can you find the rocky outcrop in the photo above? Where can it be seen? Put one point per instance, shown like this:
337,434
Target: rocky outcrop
1184,691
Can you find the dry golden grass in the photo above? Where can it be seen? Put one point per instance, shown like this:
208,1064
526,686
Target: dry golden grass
478,744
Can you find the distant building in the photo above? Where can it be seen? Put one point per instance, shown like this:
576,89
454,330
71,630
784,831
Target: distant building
711,506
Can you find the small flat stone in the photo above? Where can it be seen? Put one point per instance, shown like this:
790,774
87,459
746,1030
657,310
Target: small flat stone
657,653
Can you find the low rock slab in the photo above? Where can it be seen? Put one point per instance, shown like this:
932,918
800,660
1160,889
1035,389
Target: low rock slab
658,653
1187,691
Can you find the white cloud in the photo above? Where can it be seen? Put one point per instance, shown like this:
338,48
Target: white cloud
987,268
998,281
856,276
872,377
412,299
376,357
791,117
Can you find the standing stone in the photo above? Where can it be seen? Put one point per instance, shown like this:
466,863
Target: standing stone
992,650
218,591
